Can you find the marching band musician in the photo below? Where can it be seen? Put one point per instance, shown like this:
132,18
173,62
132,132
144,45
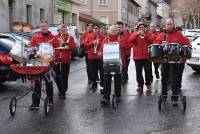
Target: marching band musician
82,43
124,34
171,35
154,33
43,36
140,41
113,36
95,63
127,56
64,56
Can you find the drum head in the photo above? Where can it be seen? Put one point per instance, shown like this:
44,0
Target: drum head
44,58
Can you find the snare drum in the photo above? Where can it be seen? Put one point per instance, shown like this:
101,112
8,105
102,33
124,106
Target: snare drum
156,53
17,54
186,52
112,58
173,51
45,52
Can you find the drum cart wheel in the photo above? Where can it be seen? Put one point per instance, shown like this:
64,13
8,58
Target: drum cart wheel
113,102
183,99
160,102
13,106
46,106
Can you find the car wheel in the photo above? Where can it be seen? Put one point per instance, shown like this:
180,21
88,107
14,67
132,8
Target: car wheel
197,69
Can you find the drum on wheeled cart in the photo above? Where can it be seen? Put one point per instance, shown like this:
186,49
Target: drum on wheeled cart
112,63
173,54
31,72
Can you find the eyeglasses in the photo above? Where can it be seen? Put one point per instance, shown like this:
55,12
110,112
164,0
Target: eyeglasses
95,28
90,25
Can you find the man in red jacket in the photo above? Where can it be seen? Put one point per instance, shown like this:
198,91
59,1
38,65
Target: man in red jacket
140,41
154,33
124,34
113,36
92,44
41,37
171,35
82,42
64,55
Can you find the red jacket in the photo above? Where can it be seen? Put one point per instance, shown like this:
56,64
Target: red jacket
127,51
39,38
123,45
90,46
173,37
83,39
65,54
140,45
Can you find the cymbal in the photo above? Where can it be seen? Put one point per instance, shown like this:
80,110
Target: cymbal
61,48
22,26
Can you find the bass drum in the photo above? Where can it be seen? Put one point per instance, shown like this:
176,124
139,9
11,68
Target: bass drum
17,54
44,53
156,53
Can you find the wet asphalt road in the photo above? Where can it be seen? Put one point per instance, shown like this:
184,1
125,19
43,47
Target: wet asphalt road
81,112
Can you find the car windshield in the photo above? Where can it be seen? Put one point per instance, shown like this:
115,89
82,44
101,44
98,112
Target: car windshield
6,45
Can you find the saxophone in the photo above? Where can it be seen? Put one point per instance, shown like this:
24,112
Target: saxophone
96,44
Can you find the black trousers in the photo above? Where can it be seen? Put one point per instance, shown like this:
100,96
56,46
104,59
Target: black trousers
170,72
61,78
147,65
96,65
181,69
107,85
89,74
125,70
156,66
37,90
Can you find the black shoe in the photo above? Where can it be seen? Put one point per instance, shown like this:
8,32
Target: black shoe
105,101
33,107
164,98
62,96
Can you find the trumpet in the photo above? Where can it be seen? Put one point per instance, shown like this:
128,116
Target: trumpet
142,34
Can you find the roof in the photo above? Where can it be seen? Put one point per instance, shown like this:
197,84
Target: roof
86,18
134,2
153,2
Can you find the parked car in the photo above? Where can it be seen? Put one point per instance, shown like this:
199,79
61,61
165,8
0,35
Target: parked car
194,62
7,41
72,30
190,33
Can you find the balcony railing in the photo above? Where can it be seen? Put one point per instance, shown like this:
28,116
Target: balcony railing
63,6
73,1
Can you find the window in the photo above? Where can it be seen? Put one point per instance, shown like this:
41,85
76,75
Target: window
41,14
104,19
29,14
84,2
103,2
